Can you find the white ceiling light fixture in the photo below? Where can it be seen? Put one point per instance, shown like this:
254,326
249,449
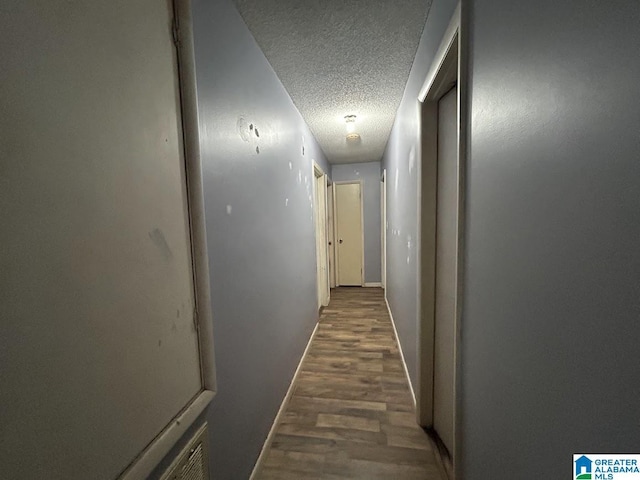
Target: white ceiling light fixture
351,123
353,137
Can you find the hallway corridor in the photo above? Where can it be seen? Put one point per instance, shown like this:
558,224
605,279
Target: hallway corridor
351,414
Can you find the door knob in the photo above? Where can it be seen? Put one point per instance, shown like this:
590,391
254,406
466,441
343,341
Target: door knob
340,240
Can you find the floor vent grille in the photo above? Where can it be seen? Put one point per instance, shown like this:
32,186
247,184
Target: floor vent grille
193,461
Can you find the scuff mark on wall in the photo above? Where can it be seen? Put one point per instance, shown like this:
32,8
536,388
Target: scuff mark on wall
242,126
157,237
249,133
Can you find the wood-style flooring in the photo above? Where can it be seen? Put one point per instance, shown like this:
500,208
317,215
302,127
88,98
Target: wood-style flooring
351,415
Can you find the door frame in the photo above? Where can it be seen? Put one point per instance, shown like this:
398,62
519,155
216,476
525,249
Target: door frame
331,233
449,65
335,228
321,235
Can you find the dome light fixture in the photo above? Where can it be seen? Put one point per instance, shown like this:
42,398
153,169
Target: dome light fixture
351,123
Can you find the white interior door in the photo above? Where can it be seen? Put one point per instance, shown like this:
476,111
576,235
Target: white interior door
349,233
446,269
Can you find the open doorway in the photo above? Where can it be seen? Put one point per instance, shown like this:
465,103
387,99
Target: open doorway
440,218
320,220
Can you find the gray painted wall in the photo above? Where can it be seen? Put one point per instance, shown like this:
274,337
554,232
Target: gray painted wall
549,326
98,351
550,322
401,162
260,232
370,175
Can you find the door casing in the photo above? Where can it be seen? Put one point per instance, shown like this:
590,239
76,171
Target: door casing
331,236
448,68
320,223
383,212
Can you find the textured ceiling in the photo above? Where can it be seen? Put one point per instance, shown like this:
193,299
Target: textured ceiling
341,57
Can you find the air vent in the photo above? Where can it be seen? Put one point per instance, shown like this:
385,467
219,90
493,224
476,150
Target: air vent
193,461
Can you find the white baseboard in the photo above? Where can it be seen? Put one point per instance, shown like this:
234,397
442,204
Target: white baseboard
272,432
404,364
373,284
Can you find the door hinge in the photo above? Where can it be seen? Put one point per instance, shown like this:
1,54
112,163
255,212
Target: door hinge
175,30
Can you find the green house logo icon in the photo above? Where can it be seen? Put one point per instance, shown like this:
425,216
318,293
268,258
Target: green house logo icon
583,468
